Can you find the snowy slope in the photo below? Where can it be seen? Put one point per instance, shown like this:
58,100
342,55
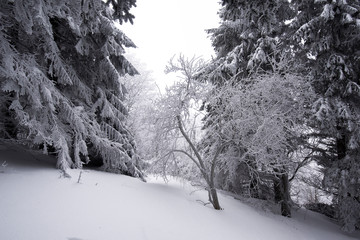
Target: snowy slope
36,203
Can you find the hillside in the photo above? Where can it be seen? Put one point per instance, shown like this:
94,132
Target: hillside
37,203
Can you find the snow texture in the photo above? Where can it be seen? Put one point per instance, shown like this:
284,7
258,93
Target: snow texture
34,205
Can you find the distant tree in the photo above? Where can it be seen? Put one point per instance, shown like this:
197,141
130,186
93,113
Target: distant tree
327,38
61,68
140,101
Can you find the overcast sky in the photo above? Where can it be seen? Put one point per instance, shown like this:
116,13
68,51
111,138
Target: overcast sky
163,28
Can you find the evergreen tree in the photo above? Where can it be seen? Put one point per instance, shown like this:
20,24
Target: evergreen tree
249,33
61,68
327,38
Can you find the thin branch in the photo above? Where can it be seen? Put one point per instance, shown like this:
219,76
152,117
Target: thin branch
187,154
188,140
301,164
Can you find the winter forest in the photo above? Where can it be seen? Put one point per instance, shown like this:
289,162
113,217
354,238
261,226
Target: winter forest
272,118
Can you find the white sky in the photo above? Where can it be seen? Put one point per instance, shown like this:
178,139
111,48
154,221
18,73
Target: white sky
163,28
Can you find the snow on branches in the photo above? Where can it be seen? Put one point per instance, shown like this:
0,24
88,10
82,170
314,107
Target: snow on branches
61,74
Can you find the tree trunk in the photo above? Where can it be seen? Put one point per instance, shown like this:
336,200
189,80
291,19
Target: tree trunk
214,198
208,176
282,192
285,204
277,189
341,147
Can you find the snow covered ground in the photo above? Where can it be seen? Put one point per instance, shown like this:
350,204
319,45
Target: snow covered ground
36,203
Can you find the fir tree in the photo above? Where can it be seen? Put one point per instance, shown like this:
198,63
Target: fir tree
327,38
61,68
249,33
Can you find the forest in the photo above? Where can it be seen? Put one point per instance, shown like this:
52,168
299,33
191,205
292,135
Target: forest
275,115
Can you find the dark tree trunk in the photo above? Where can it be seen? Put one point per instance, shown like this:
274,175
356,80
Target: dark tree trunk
282,192
214,198
285,204
277,189
341,147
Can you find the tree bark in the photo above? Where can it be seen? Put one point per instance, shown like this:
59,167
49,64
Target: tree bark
214,198
282,192
277,189
285,204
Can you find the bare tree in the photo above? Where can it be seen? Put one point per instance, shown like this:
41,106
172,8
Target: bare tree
263,123
173,118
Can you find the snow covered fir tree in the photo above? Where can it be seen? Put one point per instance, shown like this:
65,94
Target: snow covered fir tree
61,76
326,36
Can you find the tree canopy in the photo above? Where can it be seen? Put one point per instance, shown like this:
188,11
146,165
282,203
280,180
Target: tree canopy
61,76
